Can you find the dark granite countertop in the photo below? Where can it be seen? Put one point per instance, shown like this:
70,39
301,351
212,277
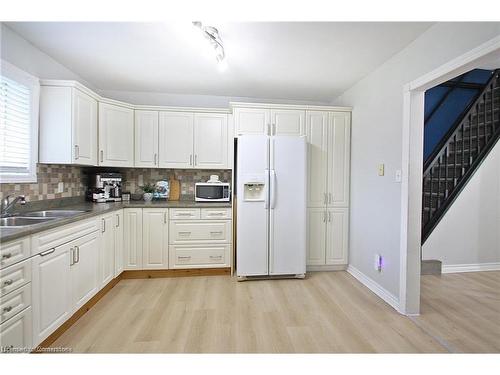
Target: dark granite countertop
95,209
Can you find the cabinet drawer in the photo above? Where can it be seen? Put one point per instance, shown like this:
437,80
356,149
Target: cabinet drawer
15,276
184,213
192,232
198,256
16,333
216,213
15,302
13,252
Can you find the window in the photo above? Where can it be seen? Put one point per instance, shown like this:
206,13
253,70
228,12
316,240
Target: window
19,95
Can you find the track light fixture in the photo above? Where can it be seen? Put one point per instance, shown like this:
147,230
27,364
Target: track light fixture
211,34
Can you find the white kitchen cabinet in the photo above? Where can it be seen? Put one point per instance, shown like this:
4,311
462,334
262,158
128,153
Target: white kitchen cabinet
210,141
176,132
68,126
51,291
119,234
251,121
337,236
339,159
84,267
132,238
317,153
288,122
146,139
116,135
107,250
155,238
316,237
270,121
17,332
199,256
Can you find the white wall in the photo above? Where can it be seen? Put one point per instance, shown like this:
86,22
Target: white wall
377,99
469,232
21,53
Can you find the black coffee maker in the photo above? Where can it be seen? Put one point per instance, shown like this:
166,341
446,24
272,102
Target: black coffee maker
105,187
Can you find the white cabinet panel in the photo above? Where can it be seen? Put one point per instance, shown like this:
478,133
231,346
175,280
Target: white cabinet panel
84,269
155,238
287,122
132,239
116,136
51,291
84,128
339,159
337,236
317,146
17,332
184,213
107,251
199,256
14,251
146,139
216,213
251,121
119,233
210,141
176,131
200,231
15,302
316,236
15,276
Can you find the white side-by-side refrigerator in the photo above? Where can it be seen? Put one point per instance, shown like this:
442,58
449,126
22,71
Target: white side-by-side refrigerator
271,206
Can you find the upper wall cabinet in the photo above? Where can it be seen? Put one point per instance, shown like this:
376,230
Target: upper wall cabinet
210,141
176,131
269,121
146,139
68,126
116,136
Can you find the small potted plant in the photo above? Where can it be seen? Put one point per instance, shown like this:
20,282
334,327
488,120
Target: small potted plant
148,190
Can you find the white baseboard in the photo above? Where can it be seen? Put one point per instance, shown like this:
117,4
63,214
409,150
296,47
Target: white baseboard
383,293
337,267
477,267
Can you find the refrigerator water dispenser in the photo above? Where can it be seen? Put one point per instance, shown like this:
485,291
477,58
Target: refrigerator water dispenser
254,191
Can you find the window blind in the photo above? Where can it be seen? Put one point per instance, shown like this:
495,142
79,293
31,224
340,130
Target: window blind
15,127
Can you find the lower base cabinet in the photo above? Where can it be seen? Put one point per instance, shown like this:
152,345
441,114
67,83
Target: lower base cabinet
107,251
155,238
84,266
327,236
132,239
119,233
17,332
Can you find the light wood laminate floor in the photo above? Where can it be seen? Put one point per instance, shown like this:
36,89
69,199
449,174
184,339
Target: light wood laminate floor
329,312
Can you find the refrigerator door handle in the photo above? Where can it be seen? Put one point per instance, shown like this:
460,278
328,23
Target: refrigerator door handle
266,205
272,188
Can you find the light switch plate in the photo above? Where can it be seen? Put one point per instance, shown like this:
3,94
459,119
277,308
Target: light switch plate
381,169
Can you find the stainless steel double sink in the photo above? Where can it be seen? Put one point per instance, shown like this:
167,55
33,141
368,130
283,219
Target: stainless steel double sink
36,217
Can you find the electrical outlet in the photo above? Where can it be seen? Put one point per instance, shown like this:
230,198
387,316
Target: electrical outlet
378,262
60,187
381,169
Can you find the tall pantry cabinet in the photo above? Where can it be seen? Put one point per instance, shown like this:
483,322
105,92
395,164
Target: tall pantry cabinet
328,136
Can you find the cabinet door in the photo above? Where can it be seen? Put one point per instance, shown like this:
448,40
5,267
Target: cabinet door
17,332
316,236
51,291
146,139
339,159
176,131
84,129
84,269
107,251
251,121
288,122
155,238
210,141
116,136
317,146
337,236
118,242
132,238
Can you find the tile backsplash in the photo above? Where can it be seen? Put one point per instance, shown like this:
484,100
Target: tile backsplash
75,180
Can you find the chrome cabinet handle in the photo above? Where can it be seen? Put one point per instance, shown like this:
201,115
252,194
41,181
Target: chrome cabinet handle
102,155
6,256
117,220
273,132
191,159
77,152
216,232
47,252
179,257
7,309
329,216
215,256
103,225
71,256
183,214
216,214
154,163
183,233
165,217
195,159
324,216
77,254
8,282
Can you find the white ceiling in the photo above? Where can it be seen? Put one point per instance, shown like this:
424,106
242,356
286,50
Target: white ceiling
296,61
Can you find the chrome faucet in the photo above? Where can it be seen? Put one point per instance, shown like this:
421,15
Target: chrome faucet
8,206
